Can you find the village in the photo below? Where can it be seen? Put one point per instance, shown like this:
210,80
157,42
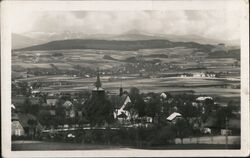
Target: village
127,117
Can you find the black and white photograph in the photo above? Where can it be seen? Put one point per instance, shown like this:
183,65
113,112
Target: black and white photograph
131,82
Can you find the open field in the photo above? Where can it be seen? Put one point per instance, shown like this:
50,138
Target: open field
150,70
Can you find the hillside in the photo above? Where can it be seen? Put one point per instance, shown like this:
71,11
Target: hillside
114,45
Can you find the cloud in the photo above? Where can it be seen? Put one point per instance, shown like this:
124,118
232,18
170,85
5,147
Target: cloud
216,24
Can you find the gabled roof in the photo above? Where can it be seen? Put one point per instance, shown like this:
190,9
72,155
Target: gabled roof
120,101
173,116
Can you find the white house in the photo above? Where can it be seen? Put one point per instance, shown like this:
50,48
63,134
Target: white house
121,102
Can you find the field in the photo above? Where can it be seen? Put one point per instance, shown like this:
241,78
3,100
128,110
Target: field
150,70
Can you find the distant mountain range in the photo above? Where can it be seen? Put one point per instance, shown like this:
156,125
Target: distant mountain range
37,38
115,45
20,41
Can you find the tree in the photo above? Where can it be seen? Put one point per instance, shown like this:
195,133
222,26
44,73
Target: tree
36,85
98,111
32,124
137,101
208,106
45,118
24,89
182,129
60,112
188,110
153,107
223,113
27,106
133,93
140,105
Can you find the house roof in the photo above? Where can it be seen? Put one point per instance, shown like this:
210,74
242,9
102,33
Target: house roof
120,101
173,116
203,98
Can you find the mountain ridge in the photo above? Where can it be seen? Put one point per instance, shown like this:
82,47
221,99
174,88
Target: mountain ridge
114,45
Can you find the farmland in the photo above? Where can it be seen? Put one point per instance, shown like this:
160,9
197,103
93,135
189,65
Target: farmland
150,70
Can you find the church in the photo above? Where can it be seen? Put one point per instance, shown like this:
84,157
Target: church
98,91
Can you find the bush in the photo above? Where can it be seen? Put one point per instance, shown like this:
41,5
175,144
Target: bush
21,137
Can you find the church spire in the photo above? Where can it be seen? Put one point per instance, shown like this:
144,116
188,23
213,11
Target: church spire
121,89
98,83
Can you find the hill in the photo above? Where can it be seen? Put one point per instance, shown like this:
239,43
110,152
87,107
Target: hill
114,45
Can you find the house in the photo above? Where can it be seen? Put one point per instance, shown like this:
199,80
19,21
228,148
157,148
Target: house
147,119
203,98
70,110
24,125
121,103
16,127
174,117
51,100
67,104
163,95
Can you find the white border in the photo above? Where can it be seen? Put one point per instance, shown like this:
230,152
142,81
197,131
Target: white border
8,6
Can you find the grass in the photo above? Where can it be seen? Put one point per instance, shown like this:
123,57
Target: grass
60,146
33,146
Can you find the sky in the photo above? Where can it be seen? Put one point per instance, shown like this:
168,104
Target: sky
212,24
